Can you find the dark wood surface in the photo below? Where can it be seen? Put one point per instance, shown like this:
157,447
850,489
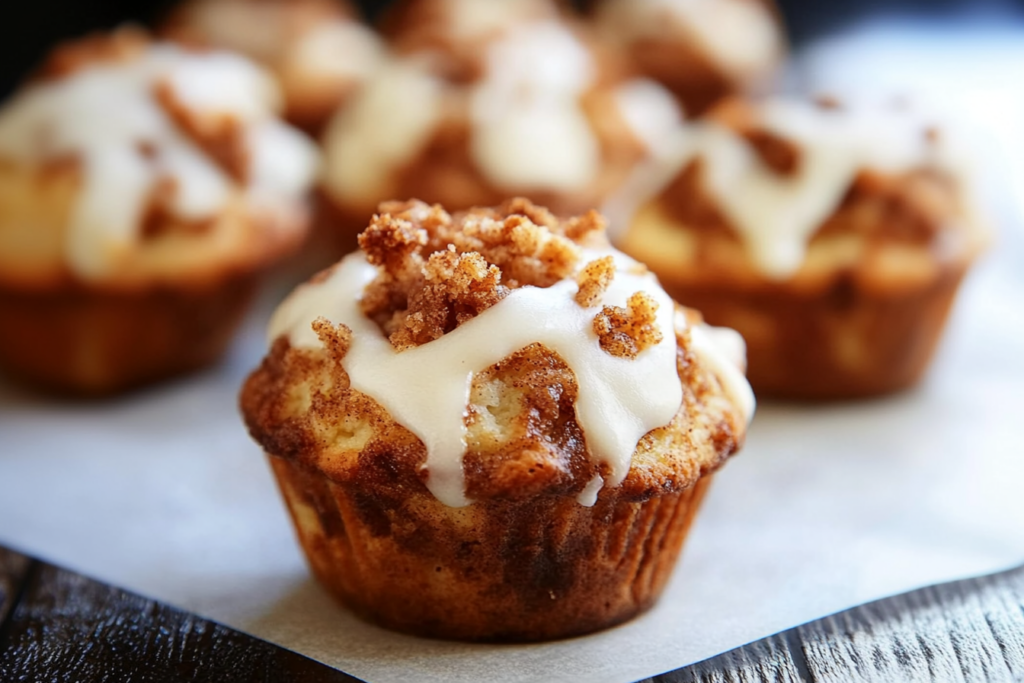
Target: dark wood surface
56,625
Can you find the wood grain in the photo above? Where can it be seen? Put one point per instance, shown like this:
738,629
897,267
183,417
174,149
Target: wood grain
56,625
964,631
65,627
967,631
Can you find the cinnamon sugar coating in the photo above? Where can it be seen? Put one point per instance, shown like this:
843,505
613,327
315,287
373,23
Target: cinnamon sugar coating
439,270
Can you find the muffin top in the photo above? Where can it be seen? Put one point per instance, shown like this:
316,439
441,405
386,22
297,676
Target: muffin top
160,147
318,49
777,174
456,32
741,38
535,107
509,351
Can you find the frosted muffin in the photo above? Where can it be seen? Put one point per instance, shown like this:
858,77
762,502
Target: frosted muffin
701,50
142,191
491,425
833,238
533,109
457,32
318,50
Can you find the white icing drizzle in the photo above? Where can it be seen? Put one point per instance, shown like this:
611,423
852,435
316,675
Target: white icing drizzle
776,215
385,126
530,131
102,114
588,496
740,36
427,388
725,352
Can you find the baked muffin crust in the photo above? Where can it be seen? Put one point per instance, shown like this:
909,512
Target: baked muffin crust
832,236
433,431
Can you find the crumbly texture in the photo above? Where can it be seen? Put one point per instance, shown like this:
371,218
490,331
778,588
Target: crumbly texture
522,441
625,332
593,281
439,270
525,561
522,432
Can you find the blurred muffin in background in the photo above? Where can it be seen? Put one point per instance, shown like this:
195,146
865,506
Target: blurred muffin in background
833,239
457,32
701,50
505,101
143,189
318,50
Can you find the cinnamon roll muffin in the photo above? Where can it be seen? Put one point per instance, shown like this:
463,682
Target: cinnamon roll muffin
143,189
318,50
458,32
833,238
701,50
492,426
518,101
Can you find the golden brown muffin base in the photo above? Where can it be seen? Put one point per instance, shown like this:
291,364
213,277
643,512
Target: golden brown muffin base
839,342
94,342
510,571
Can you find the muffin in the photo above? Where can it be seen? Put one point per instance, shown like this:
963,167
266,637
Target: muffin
491,426
143,189
318,50
458,32
531,106
833,238
701,51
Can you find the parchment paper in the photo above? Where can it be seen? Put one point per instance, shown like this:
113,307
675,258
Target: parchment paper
828,507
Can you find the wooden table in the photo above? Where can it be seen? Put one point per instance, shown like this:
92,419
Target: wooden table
56,625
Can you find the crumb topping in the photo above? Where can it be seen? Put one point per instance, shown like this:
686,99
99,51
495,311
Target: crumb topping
439,270
593,281
625,332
